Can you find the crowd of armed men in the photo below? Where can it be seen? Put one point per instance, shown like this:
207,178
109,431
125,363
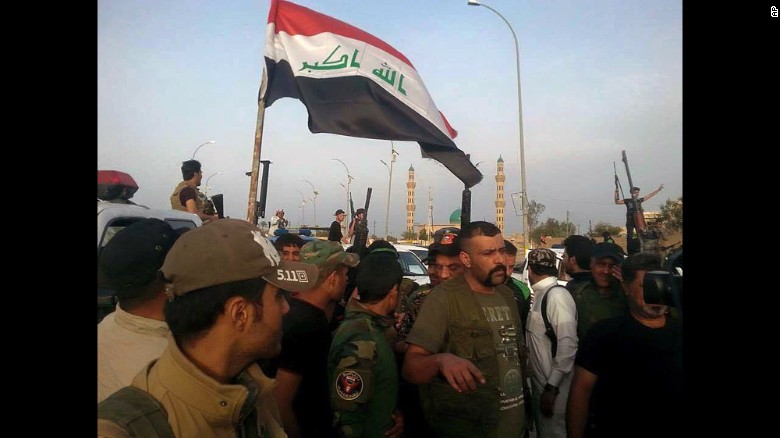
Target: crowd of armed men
220,332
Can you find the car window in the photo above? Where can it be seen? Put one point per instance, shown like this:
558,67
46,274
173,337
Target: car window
410,263
122,223
421,253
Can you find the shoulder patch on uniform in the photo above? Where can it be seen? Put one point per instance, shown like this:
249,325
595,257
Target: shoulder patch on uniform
349,384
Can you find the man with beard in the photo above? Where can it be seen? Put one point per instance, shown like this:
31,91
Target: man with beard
466,350
551,335
603,296
224,310
186,196
629,368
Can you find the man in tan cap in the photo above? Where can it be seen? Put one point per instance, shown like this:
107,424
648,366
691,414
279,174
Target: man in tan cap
551,333
225,312
301,369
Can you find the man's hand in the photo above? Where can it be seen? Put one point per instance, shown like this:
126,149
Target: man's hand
617,273
398,425
460,373
660,187
546,403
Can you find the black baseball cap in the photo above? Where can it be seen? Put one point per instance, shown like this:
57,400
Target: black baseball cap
606,249
134,255
446,243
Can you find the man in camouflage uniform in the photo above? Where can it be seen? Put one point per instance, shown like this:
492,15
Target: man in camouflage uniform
362,370
443,264
602,297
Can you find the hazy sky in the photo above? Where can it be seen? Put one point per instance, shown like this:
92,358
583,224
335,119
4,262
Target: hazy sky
597,77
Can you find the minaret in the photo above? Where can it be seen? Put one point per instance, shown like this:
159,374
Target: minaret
430,217
410,184
500,178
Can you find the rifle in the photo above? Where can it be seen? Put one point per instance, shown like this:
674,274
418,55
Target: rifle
361,226
617,182
639,215
219,203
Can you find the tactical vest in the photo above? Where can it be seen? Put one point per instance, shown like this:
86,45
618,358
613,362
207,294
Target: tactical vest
453,414
176,202
137,412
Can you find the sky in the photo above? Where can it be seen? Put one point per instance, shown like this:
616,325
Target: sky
597,77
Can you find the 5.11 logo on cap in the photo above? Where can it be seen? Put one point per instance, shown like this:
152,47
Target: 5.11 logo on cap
288,275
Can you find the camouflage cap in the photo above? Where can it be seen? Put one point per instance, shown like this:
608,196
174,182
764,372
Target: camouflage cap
542,257
326,253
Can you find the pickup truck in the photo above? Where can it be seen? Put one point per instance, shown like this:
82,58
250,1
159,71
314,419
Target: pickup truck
115,211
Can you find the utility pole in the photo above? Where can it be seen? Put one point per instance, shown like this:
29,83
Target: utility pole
430,216
374,233
568,227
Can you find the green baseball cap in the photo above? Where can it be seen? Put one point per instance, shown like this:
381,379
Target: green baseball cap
325,253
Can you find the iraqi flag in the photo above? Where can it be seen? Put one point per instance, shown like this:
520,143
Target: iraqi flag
352,83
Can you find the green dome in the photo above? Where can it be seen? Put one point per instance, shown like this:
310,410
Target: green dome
455,216
500,160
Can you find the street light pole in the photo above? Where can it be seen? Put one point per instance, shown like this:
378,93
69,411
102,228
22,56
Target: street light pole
389,187
523,192
303,208
200,146
349,180
207,187
313,200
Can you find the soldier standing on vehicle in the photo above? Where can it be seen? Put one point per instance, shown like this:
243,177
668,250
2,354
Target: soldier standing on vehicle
186,196
334,234
361,364
633,206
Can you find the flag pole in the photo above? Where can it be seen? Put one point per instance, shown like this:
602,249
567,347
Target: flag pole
251,215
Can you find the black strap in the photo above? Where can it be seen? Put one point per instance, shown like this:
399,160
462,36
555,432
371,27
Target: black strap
547,326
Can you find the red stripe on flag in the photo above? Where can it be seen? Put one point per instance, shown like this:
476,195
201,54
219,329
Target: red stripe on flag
297,20
452,131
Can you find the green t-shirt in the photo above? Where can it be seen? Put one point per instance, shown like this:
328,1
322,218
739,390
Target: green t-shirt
430,330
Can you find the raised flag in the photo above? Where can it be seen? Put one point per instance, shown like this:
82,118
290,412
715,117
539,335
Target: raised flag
354,84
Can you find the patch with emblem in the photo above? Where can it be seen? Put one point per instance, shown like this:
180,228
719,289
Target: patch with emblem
288,275
349,385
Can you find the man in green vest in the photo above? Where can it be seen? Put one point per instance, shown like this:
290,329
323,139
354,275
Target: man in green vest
187,197
602,297
466,349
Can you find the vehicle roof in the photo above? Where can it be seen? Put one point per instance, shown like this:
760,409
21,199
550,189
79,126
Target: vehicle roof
109,211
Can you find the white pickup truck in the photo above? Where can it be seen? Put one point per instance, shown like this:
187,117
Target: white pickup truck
115,211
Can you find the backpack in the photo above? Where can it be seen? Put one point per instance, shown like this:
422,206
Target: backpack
136,411
548,327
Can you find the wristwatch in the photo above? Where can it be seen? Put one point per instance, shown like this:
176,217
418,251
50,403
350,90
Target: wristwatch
550,388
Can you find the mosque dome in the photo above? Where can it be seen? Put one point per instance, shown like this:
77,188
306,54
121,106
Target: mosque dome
455,216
